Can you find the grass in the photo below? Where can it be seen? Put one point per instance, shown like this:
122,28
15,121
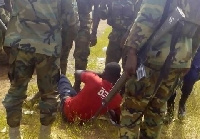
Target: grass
101,129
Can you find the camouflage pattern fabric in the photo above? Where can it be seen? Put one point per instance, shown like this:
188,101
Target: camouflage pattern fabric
5,17
137,96
22,65
67,42
114,49
35,26
139,93
82,50
120,15
68,36
146,21
34,35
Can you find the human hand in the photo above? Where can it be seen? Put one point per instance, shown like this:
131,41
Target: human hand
131,62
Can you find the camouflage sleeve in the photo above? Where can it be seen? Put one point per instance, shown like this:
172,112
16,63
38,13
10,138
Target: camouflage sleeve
68,14
146,21
4,15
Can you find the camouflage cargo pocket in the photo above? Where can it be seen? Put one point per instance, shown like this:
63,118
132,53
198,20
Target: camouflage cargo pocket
141,88
134,88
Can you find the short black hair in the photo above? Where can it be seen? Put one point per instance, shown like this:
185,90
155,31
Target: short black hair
113,70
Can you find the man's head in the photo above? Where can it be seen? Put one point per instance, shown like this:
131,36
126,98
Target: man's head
112,72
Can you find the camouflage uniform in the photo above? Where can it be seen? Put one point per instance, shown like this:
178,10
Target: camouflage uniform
68,36
82,50
5,17
34,35
139,93
120,15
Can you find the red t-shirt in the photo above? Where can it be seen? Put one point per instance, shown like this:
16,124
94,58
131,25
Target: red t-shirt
86,103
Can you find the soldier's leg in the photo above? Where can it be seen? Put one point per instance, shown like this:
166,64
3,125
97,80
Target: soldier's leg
67,42
114,52
170,109
81,53
48,75
153,117
20,72
188,82
136,98
47,69
82,50
171,102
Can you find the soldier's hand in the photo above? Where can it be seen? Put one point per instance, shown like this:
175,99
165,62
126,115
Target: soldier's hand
93,40
131,62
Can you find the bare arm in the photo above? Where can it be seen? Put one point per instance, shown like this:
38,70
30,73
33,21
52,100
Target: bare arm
78,73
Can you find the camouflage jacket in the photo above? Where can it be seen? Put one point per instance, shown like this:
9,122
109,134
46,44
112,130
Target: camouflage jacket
5,11
4,15
120,14
148,18
35,26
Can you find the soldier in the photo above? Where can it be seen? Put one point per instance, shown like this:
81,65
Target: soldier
82,50
188,82
34,35
120,14
68,36
142,98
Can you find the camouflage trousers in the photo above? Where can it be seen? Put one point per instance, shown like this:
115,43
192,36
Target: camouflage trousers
82,50
138,95
114,50
114,53
67,42
22,65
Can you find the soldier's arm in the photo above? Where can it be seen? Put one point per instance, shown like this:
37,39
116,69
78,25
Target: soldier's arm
145,23
78,73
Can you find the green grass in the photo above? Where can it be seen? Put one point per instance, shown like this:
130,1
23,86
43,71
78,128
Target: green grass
101,129
97,52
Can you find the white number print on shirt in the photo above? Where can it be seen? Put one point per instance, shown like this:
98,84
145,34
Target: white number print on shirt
102,93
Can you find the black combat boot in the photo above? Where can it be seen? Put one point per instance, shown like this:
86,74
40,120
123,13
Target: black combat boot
170,109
